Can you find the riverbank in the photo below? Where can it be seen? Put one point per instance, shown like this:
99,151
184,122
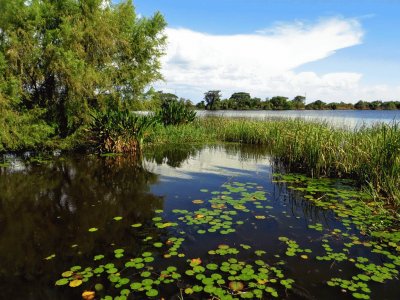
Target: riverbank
368,155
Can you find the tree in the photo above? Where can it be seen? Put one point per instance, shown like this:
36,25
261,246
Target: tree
333,105
266,105
212,99
71,56
188,103
375,105
255,103
227,104
299,102
316,105
361,105
241,101
389,105
279,103
167,97
201,105
149,101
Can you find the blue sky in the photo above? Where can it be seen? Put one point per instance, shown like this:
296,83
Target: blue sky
353,47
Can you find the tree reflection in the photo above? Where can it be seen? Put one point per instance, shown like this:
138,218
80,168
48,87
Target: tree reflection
171,155
47,208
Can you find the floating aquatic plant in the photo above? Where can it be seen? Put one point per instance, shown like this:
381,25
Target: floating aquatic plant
221,273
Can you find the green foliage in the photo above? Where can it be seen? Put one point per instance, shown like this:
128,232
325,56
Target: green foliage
298,102
212,99
22,130
201,105
119,131
279,103
69,57
243,101
191,133
149,101
174,112
316,105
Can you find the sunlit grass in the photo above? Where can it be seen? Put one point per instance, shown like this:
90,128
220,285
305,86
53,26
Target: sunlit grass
371,156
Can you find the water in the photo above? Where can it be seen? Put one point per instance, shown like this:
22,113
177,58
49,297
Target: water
47,206
343,118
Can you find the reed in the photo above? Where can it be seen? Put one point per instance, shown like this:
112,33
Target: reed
370,156
191,133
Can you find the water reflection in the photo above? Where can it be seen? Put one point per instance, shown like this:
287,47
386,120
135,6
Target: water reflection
45,208
48,205
186,162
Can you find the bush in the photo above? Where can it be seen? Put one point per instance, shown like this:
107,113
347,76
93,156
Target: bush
174,112
119,131
23,130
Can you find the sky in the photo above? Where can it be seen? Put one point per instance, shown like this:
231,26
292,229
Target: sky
323,49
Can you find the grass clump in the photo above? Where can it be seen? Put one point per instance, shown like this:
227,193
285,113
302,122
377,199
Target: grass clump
191,133
119,131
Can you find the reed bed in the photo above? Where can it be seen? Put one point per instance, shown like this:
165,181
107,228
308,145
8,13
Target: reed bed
371,156
191,133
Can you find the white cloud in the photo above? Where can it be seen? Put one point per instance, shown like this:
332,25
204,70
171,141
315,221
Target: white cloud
262,63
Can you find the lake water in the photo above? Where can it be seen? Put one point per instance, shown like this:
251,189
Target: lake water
342,118
117,223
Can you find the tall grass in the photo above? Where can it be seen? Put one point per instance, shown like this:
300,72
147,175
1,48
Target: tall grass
192,133
371,156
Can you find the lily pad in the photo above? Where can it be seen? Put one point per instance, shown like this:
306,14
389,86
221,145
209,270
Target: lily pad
75,283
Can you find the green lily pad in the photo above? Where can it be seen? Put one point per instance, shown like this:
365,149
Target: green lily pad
62,281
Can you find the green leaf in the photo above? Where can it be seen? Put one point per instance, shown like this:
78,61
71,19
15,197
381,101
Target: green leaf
62,281
212,266
152,293
136,285
67,274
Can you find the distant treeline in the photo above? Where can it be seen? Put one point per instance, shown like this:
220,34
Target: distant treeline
243,101
153,100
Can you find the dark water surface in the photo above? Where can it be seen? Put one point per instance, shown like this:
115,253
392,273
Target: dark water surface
47,207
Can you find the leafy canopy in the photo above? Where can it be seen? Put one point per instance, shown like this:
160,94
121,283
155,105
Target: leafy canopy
71,56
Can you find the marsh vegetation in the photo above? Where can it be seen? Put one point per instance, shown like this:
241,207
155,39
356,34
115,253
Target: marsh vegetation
98,201
368,155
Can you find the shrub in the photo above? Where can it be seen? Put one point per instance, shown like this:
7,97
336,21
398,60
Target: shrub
119,131
174,112
23,130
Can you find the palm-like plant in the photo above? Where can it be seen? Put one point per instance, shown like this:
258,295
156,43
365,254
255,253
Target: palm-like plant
119,131
175,112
